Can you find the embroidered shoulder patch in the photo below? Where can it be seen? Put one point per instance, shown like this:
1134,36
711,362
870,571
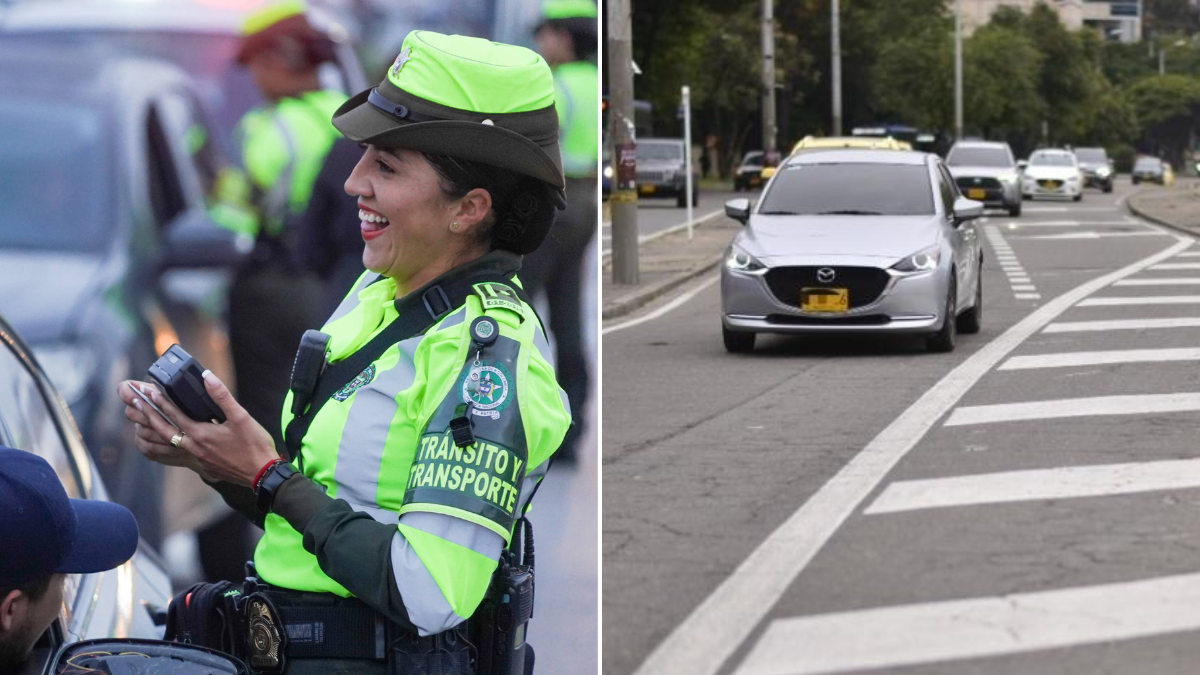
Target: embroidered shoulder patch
496,295
362,379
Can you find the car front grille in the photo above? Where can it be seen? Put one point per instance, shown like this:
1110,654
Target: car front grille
864,284
986,183
1050,184
865,320
651,176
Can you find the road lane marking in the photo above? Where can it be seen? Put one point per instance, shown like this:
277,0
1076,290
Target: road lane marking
1177,266
974,628
1024,287
1071,482
1093,406
1088,234
661,310
1141,300
1018,279
719,625
1162,281
1027,296
1071,359
1122,324
1191,254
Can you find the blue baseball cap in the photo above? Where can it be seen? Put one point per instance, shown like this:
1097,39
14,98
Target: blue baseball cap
42,531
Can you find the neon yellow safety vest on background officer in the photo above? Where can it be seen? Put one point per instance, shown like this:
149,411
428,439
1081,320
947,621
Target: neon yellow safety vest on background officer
425,413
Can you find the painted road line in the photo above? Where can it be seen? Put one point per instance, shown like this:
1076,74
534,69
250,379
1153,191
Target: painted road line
975,628
1163,281
661,310
1072,359
1190,254
1122,324
1070,482
1088,234
718,626
1024,287
1027,296
1142,300
1136,404
1176,266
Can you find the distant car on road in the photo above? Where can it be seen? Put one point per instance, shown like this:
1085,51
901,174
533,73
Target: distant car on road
130,601
749,172
1052,172
854,241
811,143
1149,169
987,172
1097,168
661,171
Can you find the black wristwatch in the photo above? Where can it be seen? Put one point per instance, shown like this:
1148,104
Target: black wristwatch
270,483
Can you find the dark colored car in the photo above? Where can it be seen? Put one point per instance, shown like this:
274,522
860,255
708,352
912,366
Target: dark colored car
749,172
661,170
1149,169
1097,168
129,601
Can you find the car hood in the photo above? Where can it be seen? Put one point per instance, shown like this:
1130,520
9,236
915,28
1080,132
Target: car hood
1050,172
982,171
769,237
45,309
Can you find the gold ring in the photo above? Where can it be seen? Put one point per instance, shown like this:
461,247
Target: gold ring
177,439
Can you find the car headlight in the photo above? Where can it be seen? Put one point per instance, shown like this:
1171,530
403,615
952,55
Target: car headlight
608,171
921,261
740,261
1104,172
1074,179
1009,178
69,366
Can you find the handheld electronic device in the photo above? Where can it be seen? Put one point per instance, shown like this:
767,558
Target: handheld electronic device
181,378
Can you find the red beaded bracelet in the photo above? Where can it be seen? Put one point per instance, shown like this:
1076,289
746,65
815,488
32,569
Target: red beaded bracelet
263,471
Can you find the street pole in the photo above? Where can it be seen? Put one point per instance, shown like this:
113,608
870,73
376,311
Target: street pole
624,194
768,78
835,46
1162,60
687,152
958,71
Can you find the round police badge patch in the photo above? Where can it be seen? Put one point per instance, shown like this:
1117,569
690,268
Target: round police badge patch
487,387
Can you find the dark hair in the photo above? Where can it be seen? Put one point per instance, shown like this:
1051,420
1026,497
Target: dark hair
522,207
35,588
582,32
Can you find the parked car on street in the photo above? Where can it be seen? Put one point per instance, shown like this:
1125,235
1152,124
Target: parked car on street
130,601
1054,173
749,172
987,172
856,241
661,170
1097,168
1149,169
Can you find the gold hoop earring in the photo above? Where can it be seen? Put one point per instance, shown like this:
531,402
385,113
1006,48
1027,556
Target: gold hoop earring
454,226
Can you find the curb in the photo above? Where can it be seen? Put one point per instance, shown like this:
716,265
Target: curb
1155,219
628,304
606,256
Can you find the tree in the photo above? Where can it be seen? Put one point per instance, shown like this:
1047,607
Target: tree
913,78
1167,107
1002,67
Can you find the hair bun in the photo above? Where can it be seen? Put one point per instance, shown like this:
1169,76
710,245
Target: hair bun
525,205
509,230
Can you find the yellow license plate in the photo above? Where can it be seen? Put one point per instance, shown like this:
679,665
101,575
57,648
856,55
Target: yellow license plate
647,189
976,193
825,299
1051,184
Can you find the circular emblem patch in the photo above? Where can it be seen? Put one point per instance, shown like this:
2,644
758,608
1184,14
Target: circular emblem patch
484,330
487,388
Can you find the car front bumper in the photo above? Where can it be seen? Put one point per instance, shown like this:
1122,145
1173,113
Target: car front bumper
1063,190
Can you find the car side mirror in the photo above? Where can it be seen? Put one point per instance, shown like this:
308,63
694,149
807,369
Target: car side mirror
966,209
1022,163
193,240
738,209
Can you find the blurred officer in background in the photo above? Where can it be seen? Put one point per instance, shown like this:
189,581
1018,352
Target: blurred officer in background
566,38
45,536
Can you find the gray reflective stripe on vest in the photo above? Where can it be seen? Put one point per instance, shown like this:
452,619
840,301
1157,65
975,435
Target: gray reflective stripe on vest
351,299
360,449
423,599
543,347
531,481
454,319
275,201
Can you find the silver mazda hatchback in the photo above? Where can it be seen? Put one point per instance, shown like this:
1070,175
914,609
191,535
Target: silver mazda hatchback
854,241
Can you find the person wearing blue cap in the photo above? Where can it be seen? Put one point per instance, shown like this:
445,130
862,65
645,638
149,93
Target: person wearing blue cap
44,536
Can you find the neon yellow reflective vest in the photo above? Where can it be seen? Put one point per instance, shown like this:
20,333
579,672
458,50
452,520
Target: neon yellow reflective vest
381,444
578,105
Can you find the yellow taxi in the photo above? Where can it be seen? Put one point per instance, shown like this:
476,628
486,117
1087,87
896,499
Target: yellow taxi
809,143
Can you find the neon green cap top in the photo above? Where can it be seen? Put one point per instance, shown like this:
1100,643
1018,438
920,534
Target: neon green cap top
568,9
271,14
472,74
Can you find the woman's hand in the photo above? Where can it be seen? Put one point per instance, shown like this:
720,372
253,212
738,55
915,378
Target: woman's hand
232,452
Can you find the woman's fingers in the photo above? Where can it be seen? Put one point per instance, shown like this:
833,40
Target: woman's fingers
221,396
186,424
163,453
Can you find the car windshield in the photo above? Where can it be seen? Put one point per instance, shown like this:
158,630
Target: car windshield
850,189
1147,164
753,159
1051,159
1091,155
57,187
650,150
966,156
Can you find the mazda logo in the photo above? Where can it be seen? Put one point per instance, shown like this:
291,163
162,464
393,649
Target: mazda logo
826,275
978,181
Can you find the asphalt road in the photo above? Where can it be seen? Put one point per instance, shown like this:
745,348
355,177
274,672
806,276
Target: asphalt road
1024,504
656,215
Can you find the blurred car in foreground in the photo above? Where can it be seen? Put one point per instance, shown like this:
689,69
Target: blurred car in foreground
749,172
1052,173
854,241
661,170
1150,170
130,601
1097,168
988,173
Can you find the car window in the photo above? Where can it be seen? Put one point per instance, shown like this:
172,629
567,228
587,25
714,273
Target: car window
1051,159
1093,155
851,189
166,191
26,422
948,190
1147,164
979,156
659,151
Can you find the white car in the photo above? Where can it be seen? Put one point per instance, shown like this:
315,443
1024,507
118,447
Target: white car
1052,173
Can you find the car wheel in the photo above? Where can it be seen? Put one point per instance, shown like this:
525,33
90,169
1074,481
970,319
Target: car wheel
971,321
943,340
681,200
1136,181
739,186
1014,211
1107,188
1078,197
737,342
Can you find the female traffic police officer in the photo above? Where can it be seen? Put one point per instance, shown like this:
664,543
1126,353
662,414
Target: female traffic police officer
407,472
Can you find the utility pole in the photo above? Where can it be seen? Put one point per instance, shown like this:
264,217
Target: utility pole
624,195
768,78
958,71
835,46
1162,60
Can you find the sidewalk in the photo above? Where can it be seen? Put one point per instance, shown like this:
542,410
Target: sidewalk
666,263
1177,207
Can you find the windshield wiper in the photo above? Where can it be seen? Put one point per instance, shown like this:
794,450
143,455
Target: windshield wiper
778,213
849,212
